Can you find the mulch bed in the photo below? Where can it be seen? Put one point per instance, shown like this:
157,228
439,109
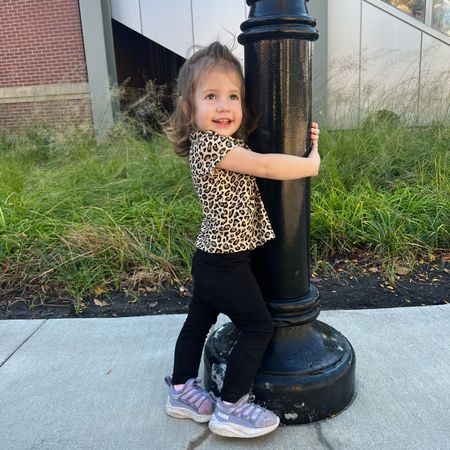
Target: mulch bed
428,285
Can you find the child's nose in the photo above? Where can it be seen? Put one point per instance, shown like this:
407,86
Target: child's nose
223,105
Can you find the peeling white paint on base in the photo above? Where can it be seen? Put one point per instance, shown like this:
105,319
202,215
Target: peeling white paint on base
302,405
219,331
218,374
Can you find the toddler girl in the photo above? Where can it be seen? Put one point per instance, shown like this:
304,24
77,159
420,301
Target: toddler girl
209,126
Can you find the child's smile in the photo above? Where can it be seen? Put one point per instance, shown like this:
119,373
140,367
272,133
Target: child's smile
218,102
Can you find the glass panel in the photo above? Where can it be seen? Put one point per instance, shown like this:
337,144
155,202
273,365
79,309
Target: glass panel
415,8
441,15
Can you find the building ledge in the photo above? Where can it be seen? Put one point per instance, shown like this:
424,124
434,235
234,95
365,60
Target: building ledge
44,92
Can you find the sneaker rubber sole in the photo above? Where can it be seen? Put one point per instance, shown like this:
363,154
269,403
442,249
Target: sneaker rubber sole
184,413
230,429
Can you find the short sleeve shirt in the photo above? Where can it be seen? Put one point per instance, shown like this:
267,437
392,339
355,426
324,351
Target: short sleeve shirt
234,217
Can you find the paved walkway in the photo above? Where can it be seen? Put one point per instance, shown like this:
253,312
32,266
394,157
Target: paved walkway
98,384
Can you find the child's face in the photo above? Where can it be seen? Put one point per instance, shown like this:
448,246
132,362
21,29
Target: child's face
217,102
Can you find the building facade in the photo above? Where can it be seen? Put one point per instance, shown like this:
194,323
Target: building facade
372,55
55,66
378,55
43,73
62,60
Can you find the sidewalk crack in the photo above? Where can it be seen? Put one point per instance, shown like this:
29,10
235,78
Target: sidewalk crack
26,340
196,442
321,436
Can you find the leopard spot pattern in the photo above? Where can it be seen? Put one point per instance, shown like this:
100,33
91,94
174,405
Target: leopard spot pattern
234,216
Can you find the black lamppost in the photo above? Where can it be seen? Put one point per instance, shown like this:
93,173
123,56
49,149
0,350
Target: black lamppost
308,371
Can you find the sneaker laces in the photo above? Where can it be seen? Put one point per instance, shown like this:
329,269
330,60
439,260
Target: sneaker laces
247,409
191,393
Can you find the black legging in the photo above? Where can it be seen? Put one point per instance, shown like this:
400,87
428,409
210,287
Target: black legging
224,283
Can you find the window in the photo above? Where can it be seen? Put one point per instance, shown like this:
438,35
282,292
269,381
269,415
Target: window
441,16
415,8
439,10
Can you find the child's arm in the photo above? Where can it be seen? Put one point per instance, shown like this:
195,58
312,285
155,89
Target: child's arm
274,166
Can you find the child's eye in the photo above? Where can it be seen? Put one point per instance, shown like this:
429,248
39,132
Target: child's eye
234,97
210,97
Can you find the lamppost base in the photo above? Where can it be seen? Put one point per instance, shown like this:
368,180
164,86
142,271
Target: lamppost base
307,374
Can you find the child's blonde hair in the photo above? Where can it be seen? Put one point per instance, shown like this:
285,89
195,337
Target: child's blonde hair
181,124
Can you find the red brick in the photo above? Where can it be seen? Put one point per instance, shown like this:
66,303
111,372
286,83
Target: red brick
41,43
36,33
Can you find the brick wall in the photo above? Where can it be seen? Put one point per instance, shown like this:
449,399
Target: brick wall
41,45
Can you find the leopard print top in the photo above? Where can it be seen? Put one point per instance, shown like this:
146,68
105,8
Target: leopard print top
234,217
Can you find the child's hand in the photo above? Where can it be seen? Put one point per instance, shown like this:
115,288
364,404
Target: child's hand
314,157
314,154
315,133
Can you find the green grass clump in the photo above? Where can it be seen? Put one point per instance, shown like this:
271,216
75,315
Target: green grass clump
75,215
383,189
79,217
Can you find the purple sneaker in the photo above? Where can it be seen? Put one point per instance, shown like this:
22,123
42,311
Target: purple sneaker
242,419
191,402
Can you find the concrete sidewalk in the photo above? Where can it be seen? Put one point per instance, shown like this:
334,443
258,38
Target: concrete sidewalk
98,384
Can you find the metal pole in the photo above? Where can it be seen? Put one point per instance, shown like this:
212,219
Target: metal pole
308,371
